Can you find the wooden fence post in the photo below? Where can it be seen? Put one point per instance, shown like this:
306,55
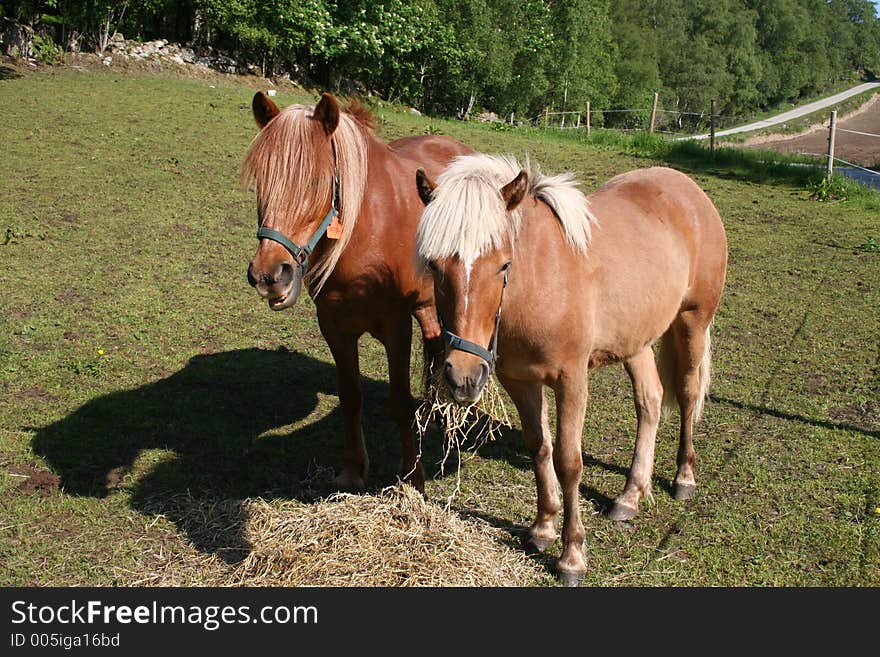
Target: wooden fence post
546,116
654,111
712,127
832,130
588,118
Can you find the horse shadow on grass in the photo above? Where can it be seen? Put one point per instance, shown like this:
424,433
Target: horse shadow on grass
227,426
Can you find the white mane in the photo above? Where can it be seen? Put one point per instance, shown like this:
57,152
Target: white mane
468,218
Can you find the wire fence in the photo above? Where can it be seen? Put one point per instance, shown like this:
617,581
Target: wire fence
856,132
682,122
652,119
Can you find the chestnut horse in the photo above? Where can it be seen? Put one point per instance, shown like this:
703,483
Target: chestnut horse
592,281
337,211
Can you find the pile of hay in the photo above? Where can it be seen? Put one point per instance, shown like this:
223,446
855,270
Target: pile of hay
396,538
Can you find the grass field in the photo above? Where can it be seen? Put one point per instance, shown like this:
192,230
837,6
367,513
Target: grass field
135,360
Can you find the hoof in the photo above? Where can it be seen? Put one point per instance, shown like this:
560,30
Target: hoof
569,579
349,484
685,491
536,544
622,512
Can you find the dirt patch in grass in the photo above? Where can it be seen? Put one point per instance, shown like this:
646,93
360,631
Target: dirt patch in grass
37,394
863,417
858,149
35,479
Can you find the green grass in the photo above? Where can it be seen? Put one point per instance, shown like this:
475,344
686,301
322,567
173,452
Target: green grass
136,363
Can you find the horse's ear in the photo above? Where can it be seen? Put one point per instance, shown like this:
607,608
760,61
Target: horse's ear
264,109
327,112
514,191
426,186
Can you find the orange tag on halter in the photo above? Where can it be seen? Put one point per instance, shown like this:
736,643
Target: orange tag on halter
334,230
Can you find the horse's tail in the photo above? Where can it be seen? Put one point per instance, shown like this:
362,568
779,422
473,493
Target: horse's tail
668,366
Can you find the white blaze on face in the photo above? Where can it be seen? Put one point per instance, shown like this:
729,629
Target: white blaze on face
467,281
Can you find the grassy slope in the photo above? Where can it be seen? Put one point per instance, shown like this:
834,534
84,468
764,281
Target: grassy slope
127,233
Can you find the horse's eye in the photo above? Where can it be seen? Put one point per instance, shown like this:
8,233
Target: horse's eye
504,267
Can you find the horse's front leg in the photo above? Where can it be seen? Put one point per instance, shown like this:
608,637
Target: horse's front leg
355,462
528,396
571,406
434,351
648,397
397,339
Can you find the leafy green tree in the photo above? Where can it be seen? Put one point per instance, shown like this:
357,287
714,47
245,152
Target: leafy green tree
636,66
582,66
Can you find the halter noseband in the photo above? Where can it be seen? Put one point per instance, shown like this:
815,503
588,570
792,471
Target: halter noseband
301,253
459,343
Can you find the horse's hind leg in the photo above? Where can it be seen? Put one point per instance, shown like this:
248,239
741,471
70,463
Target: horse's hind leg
528,396
648,396
354,457
690,335
398,341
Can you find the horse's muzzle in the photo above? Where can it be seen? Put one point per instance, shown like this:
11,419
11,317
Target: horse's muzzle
466,379
280,286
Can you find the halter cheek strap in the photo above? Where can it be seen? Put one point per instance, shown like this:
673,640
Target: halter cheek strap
460,344
301,253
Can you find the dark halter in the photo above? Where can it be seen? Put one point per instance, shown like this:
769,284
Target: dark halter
301,253
459,343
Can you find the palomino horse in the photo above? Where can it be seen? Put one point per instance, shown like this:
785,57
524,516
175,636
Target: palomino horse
592,281
338,211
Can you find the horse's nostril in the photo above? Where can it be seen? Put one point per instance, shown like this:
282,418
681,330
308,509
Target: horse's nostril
447,374
482,376
250,275
285,274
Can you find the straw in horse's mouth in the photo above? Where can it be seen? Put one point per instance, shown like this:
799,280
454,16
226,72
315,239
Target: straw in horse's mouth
466,425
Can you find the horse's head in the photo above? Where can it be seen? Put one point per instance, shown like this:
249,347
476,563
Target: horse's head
293,165
469,283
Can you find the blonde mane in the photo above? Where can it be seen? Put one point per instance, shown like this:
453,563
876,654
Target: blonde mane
467,216
289,164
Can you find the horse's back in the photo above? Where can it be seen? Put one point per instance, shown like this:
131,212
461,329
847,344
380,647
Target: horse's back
659,202
431,152
659,248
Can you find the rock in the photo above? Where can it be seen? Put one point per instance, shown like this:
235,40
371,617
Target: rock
488,117
413,110
225,64
107,61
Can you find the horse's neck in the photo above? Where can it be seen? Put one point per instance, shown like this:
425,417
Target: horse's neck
386,214
542,259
